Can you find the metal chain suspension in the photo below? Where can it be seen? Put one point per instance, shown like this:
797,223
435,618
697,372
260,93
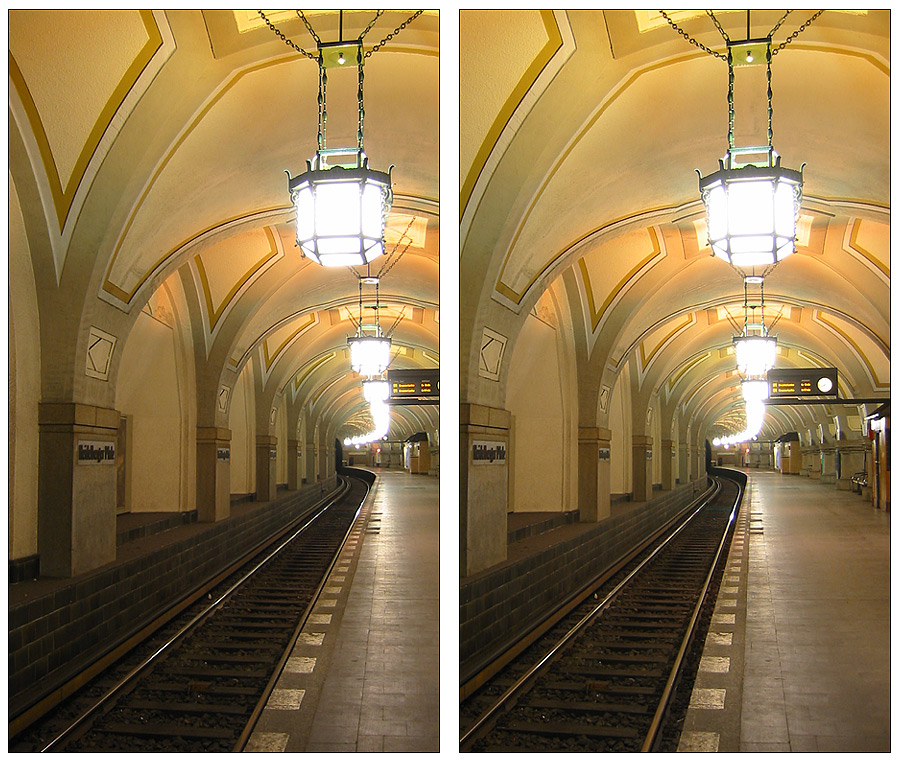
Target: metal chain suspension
323,108
730,100
780,22
362,109
718,26
285,40
792,37
309,28
392,34
691,39
389,262
769,88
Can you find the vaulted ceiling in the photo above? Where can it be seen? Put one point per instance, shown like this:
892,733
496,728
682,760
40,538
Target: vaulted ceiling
580,135
159,143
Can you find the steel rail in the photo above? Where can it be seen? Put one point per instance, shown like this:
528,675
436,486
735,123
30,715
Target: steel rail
656,723
197,619
279,667
512,692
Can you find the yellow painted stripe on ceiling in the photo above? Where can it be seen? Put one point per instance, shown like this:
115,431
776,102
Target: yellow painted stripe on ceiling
862,355
214,313
525,83
854,244
646,359
597,315
504,289
676,377
110,287
62,199
310,369
270,360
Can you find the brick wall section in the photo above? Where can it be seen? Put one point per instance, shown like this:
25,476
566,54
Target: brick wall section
507,600
54,636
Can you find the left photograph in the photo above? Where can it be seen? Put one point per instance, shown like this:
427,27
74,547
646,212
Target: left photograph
224,354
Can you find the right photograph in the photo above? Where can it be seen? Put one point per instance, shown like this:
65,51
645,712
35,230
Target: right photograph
675,356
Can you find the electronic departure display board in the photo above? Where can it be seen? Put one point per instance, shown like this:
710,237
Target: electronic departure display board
414,387
803,382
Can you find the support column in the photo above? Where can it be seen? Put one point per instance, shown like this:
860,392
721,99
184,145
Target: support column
76,487
641,468
484,486
593,473
266,454
213,473
667,457
294,456
309,462
829,465
324,457
684,460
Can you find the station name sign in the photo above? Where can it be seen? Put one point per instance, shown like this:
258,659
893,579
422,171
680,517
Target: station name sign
802,382
414,387
488,453
94,453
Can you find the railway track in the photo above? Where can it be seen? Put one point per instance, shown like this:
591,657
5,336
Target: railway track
604,678
199,684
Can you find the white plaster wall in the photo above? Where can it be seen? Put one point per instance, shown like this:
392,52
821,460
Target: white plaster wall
147,391
534,398
620,475
243,440
24,382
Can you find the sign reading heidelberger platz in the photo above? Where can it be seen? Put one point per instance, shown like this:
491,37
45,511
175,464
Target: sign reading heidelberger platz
93,453
488,453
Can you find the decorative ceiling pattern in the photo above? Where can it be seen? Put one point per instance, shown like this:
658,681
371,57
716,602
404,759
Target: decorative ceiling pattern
595,187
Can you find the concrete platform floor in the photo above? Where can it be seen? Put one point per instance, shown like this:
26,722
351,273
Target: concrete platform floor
364,673
798,655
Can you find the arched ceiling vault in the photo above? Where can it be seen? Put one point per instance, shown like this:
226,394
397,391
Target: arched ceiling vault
169,160
578,153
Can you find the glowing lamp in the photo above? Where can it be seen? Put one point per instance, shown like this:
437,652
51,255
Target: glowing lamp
369,355
755,355
341,208
752,211
376,390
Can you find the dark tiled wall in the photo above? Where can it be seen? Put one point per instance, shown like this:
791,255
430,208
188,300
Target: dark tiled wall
505,601
52,637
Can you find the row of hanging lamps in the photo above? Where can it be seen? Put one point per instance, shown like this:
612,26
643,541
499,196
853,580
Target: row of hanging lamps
370,352
341,203
754,349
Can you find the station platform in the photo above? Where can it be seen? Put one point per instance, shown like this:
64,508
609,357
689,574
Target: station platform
798,654
364,672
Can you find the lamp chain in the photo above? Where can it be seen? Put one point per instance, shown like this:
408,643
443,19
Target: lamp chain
362,108
390,37
715,21
323,108
285,40
691,39
730,100
792,37
769,88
